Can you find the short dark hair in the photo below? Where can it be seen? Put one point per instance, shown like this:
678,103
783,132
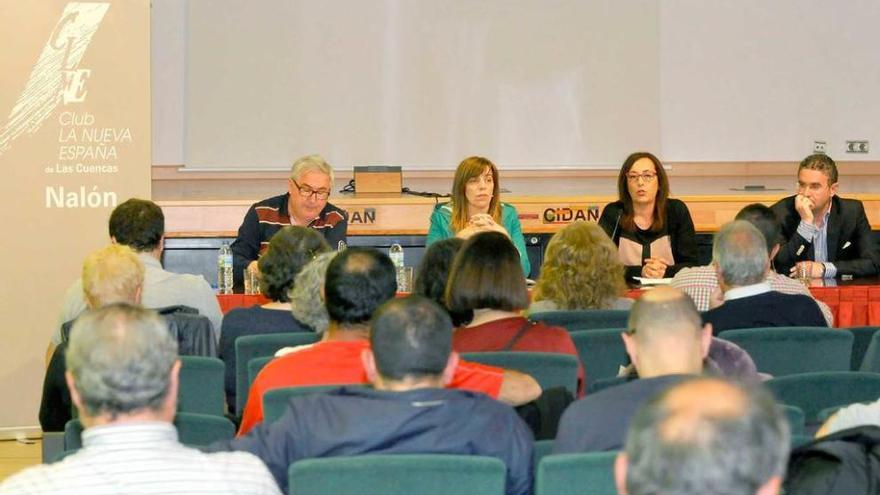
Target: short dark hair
486,273
763,218
822,163
358,281
289,250
411,337
434,273
138,224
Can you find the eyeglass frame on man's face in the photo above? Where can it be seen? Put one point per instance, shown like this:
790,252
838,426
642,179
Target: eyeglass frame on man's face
306,191
647,177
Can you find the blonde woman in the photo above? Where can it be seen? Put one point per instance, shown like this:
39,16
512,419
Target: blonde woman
476,207
581,270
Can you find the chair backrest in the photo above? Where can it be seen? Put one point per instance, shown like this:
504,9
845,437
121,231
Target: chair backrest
871,358
254,366
548,368
424,474
601,352
782,351
275,400
584,319
543,448
201,386
796,418
248,347
192,429
591,472
193,332
814,392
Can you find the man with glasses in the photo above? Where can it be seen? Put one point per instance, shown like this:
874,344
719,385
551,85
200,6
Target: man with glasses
305,204
827,234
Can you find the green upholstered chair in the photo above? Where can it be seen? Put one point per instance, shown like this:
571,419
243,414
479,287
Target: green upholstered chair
584,319
782,351
422,474
589,473
548,368
192,429
796,418
248,347
814,392
543,448
862,341
871,358
275,400
201,386
254,366
601,352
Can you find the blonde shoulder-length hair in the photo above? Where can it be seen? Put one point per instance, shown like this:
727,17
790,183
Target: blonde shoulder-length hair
581,269
468,169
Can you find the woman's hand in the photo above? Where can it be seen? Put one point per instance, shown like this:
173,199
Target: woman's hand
654,268
481,222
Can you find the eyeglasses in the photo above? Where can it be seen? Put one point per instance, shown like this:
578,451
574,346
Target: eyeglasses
306,191
648,177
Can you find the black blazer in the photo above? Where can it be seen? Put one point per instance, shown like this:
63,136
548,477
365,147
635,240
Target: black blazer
847,223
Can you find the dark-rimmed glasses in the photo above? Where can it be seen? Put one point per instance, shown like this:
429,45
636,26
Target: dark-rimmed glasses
306,191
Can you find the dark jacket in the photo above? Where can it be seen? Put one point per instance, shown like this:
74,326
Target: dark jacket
847,223
353,421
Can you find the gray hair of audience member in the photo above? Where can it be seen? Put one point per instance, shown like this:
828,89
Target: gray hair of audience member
311,163
662,311
121,358
739,251
706,435
306,299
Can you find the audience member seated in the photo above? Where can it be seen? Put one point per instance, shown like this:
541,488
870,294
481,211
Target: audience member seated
581,270
358,281
476,207
484,280
850,417
701,282
705,436
289,250
434,273
140,225
408,362
113,274
829,234
307,296
123,377
654,233
667,343
739,253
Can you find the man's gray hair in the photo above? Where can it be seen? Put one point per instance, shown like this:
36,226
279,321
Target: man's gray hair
311,163
664,311
121,357
306,302
690,446
740,253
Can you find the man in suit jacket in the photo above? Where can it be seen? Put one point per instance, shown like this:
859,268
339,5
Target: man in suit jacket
829,234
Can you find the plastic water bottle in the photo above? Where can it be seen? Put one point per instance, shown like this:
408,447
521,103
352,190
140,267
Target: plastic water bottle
224,269
395,252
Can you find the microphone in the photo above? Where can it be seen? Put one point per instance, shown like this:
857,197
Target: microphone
616,224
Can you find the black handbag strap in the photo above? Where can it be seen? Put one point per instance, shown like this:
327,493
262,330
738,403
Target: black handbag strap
522,331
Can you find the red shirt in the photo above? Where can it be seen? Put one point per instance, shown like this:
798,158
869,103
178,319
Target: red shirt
495,335
339,362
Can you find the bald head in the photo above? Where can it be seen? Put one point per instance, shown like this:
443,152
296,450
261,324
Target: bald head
706,435
664,311
665,334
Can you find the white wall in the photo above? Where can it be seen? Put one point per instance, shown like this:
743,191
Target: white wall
528,83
